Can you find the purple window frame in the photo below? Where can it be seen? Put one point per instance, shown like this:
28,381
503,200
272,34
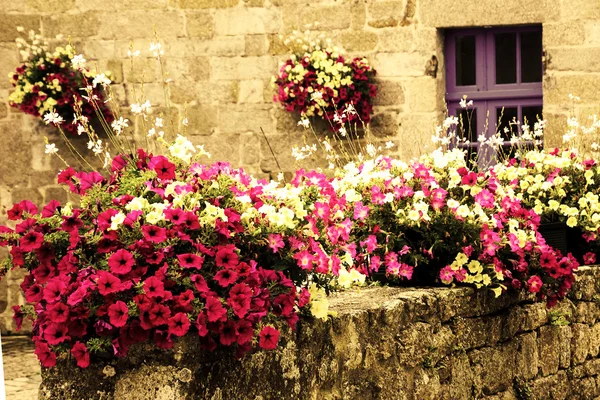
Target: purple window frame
486,93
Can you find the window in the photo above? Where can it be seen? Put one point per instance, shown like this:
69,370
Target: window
500,69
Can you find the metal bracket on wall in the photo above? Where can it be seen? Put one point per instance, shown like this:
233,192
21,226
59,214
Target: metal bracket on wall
431,67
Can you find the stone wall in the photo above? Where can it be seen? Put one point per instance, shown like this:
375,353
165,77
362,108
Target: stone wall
222,53
385,343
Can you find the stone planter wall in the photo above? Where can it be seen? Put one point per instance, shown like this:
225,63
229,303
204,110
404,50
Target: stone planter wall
385,343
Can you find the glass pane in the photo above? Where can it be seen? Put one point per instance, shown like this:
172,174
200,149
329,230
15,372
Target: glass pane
504,117
531,57
465,61
531,114
506,58
467,125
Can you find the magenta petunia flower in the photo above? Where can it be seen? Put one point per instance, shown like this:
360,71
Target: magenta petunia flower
154,287
268,338
81,354
46,356
179,324
56,333
121,262
31,241
190,260
154,233
225,277
214,309
118,314
108,283
165,170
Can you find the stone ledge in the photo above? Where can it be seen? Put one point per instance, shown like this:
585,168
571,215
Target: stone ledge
384,343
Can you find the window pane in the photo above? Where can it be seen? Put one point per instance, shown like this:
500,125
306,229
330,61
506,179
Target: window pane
531,57
467,125
465,61
504,117
531,114
506,58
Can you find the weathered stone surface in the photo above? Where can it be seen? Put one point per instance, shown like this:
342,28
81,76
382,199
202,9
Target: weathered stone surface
236,119
200,24
10,22
77,25
202,119
385,14
251,91
241,21
326,17
242,67
137,24
584,59
256,45
450,13
564,33
358,41
203,3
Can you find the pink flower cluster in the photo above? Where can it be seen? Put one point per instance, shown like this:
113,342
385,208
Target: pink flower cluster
97,286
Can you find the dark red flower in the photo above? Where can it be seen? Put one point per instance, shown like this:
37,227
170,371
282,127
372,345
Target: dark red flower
229,333
214,309
31,241
154,233
118,314
226,257
225,277
56,333
200,283
162,340
245,331
18,316
58,313
163,167
159,315
108,283
179,324
269,337
45,355
121,262
81,354
54,289
190,260
154,287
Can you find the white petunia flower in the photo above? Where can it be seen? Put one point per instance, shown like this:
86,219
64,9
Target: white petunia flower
78,62
51,149
53,118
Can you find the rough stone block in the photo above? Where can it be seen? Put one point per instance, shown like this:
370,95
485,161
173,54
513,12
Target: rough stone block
251,91
563,33
583,59
494,368
249,149
580,343
527,356
358,40
389,93
140,24
115,5
203,3
385,14
548,343
204,92
8,28
256,45
32,194
399,40
451,13
555,387
17,149
80,25
10,60
558,87
3,110
400,64
56,193
242,67
592,31
221,147
276,46
242,21
384,125
203,120
326,17
191,69
240,119
580,9
228,46
422,94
